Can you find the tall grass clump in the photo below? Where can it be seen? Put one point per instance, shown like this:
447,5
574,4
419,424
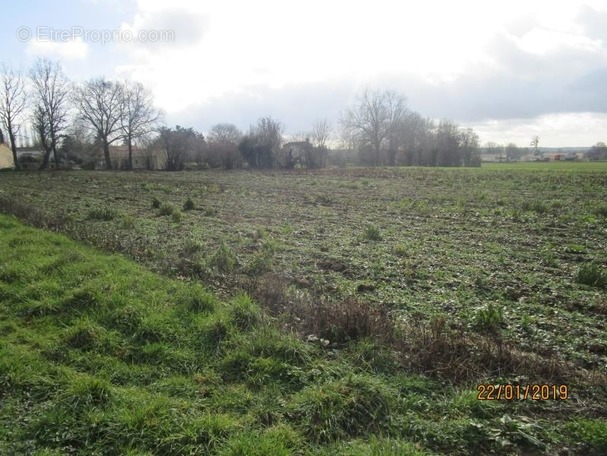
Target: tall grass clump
223,260
591,274
104,214
189,205
349,407
372,233
166,209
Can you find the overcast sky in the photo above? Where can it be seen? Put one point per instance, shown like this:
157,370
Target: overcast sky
511,70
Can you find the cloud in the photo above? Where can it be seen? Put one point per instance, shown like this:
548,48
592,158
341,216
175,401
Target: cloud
555,130
593,21
69,49
166,28
296,106
476,63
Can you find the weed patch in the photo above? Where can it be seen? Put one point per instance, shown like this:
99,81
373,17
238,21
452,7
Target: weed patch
591,274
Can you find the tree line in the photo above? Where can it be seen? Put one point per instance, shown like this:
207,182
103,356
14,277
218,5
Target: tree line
82,121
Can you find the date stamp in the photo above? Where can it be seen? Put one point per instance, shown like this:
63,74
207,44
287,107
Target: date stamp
532,391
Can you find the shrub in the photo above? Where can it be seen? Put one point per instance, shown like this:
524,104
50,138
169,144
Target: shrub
156,203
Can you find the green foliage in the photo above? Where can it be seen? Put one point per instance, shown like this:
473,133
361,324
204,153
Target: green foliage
279,440
104,214
166,209
223,260
244,313
189,205
489,319
375,447
176,216
156,203
193,245
167,351
85,392
401,249
590,435
349,407
196,299
534,206
591,274
372,233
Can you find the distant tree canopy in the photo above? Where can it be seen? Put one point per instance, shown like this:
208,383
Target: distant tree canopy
261,147
386,132
223,140
81,121
179,145
597,152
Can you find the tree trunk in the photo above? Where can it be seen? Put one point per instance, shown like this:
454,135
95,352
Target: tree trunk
54,149
377,147
45,159
11,136
130,144
106,155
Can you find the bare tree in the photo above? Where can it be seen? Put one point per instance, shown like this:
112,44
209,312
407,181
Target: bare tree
321,133
12,104
373,118
139,116
469,143
223,140
100,105
51,97
535,142
224,133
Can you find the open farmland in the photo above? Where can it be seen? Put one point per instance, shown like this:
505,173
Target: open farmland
490,275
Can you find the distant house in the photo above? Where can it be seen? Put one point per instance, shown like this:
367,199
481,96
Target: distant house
6,157
151,159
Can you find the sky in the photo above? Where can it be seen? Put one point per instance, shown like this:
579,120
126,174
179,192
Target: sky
510,70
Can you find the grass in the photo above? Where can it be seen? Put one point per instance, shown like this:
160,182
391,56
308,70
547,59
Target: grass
592,274
412,284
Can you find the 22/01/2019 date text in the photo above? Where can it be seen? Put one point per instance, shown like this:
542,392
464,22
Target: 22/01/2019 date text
532,391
